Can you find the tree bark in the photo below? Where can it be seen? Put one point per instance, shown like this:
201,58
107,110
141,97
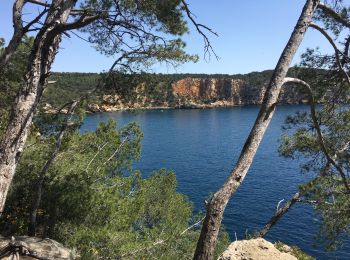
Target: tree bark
215,208
43,53
278,214
18,32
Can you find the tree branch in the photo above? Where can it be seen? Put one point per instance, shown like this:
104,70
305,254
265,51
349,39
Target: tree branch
330,11
73,11
99,149
207,45
17,34
161,241
318,129
42,174
346,51
336,50
216,207
79,23
278,214
35,20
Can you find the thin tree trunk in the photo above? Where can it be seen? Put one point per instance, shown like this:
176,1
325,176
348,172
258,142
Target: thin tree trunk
42,174
215,208
17,33
43,53
278,214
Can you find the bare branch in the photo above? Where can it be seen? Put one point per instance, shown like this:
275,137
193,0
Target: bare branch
79,23
19,31
279,203
37,2
161,241
99,149
318,129
73,11
17,34
207,45
35,20
313,202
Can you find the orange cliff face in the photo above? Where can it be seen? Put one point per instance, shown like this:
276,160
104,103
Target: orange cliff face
214,92
195,92
208,90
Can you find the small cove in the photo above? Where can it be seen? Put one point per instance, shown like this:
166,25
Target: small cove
201,146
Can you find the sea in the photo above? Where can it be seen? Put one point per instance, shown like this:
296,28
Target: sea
202,145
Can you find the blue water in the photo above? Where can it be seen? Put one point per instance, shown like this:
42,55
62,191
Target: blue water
201,146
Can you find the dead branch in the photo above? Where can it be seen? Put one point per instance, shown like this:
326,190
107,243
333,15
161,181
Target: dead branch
99,149
161,241
17,34
116,151
207,45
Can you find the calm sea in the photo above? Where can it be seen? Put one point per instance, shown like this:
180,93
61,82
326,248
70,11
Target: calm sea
201,146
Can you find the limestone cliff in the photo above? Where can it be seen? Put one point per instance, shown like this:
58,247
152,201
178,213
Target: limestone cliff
192,92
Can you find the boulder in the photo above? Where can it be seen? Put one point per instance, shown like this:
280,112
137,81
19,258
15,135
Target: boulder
254,249
24,247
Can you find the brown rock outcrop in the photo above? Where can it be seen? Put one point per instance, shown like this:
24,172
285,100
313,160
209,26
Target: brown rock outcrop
254,249
33,248
208,90
190,92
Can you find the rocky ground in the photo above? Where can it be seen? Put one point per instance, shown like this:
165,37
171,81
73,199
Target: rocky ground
261,249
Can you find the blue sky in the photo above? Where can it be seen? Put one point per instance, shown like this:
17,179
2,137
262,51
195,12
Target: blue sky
252,34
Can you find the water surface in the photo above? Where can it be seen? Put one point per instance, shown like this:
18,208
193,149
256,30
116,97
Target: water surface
201,146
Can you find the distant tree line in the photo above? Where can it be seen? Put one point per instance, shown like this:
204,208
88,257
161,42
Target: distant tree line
157,87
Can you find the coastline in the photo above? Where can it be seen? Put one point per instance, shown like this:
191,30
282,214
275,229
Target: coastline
182,107
96,109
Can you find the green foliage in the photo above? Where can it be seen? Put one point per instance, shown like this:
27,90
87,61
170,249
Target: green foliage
293,250
140,32
94,202
327,190
156,88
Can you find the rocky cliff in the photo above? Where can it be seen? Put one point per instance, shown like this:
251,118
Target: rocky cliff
192,92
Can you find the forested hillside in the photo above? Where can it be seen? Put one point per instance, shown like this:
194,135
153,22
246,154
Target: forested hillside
123,91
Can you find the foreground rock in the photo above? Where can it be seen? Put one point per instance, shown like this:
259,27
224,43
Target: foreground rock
255,249
25,247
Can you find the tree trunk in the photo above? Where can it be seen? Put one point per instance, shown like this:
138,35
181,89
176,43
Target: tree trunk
215,209
17,34
278,214
43,53
44,170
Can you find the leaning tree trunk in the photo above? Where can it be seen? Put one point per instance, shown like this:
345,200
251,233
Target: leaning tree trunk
215,208
42,55
17,34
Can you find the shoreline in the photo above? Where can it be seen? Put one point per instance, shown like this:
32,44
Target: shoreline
182,108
